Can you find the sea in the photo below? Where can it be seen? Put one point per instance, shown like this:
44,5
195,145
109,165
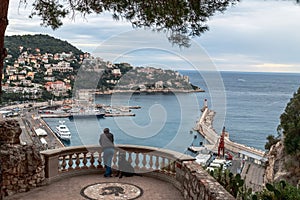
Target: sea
247,104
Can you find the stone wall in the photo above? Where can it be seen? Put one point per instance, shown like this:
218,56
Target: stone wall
198,184
22,167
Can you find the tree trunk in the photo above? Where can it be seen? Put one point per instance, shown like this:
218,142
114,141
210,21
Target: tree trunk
3,25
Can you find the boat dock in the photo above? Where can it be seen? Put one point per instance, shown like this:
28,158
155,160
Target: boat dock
127,114
69,115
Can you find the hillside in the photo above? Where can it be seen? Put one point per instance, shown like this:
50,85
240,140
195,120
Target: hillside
284,156
45,43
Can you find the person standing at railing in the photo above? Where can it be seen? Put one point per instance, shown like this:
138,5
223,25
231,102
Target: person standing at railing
106,141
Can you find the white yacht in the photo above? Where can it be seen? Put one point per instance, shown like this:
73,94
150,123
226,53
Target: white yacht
62,131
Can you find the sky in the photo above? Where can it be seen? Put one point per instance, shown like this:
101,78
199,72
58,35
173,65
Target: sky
253,35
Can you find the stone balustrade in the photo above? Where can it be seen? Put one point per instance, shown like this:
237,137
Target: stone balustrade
173,167
70,160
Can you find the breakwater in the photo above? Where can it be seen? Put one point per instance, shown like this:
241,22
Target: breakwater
204,126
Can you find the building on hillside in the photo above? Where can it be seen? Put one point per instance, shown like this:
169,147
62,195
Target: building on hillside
37,50
159,85
23,71
186,79
49,78
12,77
64,55
21,60
62,66
48,71
25,82
57,88
21,77
45,59
16,64
56,56
31,75
116,72
28,67
10,70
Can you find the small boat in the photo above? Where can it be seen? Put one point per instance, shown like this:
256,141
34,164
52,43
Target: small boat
62,131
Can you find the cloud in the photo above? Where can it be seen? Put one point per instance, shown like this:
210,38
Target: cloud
243,38
264,30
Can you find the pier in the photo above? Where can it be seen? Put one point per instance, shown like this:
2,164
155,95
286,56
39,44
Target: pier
205,128
101,115
127,114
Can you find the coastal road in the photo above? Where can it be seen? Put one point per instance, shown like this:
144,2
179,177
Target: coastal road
254,176
235,167
25,136
31,121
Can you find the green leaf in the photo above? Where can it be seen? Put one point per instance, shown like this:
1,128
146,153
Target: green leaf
277,194
270,187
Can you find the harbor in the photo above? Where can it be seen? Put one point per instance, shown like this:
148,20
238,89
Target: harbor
244,160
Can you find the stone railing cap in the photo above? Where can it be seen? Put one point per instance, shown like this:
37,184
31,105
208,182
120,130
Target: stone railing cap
170,153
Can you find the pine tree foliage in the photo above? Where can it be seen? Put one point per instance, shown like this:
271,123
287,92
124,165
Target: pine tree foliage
290,125
180,19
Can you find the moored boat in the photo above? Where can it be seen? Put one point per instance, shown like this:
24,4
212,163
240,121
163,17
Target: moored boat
62,131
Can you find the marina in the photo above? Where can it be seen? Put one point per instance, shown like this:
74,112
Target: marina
59,134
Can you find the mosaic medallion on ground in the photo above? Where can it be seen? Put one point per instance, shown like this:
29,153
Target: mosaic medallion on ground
112,190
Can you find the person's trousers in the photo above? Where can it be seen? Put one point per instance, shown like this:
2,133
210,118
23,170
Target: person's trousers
108,154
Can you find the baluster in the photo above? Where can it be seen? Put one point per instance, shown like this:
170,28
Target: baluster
163,164
144,162
157,163
130,157
77,161
84,161
100,160
92,160
173,171
70,163
151,162
64,163
137,160
167,167
114,161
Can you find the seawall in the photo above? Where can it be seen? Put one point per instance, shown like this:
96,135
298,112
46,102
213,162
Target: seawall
205,127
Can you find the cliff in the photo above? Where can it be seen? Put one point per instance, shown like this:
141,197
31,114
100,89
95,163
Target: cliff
281,166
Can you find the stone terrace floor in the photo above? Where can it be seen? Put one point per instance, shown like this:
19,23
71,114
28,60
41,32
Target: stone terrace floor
93,184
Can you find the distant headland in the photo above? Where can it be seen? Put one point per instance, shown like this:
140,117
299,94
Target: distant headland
41,67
